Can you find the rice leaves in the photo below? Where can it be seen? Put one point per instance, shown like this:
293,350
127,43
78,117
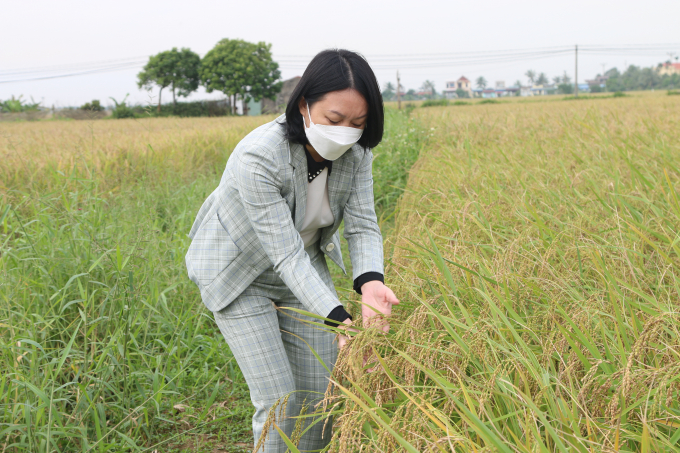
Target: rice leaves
536,254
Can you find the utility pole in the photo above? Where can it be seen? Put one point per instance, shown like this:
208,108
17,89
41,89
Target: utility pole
398,92
603,65
576,72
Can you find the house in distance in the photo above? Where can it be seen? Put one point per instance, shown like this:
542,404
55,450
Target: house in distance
461,84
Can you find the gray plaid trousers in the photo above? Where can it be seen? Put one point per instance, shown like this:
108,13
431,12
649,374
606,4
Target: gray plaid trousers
274,362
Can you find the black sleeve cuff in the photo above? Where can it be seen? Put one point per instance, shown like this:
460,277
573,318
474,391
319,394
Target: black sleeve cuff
367,277
336,316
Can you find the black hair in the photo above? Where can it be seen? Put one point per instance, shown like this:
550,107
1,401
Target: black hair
336,70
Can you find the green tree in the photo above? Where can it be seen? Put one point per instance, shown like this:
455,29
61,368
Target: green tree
388,93
428,85
177,69
94,106
122,110
481,82
565,78
16,105
613,72
461,93
410,95
239,68
518,83
542,79
565,88
531,75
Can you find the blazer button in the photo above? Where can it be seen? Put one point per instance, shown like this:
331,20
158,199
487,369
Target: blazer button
330,247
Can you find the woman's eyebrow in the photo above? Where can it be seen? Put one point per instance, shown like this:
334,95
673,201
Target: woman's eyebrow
344,116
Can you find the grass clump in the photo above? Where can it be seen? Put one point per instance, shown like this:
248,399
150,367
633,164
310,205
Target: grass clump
489,101
435,103
583,97
537,264
673,93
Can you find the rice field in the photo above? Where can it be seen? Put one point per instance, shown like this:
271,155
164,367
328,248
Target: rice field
536,254
535,251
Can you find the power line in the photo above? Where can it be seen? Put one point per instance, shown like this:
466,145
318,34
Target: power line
377,61
71,67
74,74
450,62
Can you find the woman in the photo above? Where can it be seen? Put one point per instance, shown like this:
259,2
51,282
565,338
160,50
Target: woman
260,240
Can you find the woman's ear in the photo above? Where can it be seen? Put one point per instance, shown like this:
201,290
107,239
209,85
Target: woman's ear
302,106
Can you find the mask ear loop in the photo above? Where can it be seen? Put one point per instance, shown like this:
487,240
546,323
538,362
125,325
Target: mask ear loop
309,114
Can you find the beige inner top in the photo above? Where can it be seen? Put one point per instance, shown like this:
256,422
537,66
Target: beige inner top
318,212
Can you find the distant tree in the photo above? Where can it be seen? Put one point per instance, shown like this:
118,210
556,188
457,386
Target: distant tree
16,105
638,78
177,69
122,110
542,79
94,106
428,85
614,84
410,95
565,78
461,93
388,93
481,82
613,72
531,75
240,68
557,80
565,88
518,83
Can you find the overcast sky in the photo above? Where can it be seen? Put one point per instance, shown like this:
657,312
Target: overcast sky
41,33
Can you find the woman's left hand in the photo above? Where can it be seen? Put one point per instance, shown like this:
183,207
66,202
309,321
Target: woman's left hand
376,298
343,339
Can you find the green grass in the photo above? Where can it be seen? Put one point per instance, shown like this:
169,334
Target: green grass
435,103
585,97
102,335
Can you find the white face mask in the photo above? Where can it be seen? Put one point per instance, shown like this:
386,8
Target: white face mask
331,142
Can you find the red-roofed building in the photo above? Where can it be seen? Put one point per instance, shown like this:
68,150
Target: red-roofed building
669,69
461,84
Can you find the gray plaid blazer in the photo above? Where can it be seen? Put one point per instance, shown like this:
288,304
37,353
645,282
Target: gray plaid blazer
251,222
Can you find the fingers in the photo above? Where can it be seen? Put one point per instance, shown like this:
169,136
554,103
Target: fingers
343,339
390,297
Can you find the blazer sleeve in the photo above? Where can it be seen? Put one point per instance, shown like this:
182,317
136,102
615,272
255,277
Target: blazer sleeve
361,223
257,180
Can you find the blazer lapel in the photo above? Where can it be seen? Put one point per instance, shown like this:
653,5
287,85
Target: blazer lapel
298,160
337,186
